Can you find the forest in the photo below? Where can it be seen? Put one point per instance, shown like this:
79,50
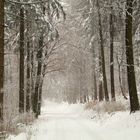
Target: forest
80,52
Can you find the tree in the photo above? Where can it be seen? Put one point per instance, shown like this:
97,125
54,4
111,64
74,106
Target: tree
28,30
47,33
21,73
102,53
134,103
101,93
39,74
112,84
28,82
1,57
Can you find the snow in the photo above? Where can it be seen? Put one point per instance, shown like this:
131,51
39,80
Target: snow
120,125
72,122
21,136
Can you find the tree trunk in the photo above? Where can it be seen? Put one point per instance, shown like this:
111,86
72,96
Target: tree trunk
95,86
21,73
124,81
85,98
43,68
134,103
112,56
101,96
32,78
40,97
101,93
28,84
120,81
102,54
41,85
39,74
1,57
94,97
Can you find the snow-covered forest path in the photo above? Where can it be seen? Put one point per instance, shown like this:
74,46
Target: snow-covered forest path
61,123
71,122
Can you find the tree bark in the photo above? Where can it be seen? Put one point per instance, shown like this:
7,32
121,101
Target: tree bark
1,57
134,103
21,73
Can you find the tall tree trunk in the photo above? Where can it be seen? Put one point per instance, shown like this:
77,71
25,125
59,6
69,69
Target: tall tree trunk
28,84
32,78
1,57
43,67
112,56
94,97
21,73
102,54
134,103
39,74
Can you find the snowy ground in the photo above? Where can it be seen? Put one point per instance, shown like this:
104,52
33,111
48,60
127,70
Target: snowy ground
72,122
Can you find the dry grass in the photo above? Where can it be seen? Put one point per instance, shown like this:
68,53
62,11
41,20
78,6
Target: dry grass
105,106
15,125
91,104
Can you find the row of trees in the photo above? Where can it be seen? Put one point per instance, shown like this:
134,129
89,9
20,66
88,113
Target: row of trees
108,22
102,51
28,30
94,30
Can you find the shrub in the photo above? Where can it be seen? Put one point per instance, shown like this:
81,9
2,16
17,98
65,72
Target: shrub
106,106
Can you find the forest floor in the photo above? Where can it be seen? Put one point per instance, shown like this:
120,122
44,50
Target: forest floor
72,122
